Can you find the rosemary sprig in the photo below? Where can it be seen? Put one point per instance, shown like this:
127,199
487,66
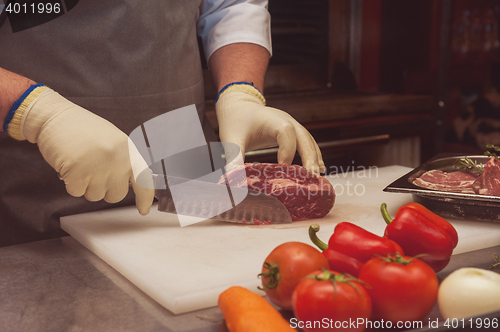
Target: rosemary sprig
469,165
496,148
496,258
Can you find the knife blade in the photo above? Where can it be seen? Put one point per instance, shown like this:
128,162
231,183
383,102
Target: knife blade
207,200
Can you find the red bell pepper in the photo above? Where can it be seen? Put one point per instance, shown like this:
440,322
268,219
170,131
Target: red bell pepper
421,232
351,246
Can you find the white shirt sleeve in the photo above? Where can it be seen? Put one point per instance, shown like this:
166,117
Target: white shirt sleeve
223,22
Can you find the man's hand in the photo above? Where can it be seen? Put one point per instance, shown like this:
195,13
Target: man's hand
245,120
94,158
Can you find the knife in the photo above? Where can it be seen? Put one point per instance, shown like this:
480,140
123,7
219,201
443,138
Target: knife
208,200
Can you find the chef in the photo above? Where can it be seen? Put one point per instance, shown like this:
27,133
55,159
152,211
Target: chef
72,89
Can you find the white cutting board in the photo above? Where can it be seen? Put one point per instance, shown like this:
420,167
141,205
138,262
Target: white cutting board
186,268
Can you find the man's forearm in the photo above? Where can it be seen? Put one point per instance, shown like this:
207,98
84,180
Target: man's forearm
12,87
240,62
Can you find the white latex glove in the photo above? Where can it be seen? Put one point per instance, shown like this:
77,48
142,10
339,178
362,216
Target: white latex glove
246,121
90,153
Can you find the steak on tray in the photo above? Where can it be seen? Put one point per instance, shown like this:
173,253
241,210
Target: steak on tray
488,183
305,195
460,182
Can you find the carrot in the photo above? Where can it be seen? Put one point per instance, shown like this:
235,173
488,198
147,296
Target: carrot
245,311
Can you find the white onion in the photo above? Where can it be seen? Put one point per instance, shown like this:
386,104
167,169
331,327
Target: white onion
469,292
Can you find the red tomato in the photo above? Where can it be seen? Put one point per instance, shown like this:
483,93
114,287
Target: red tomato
327,301
285,266
402,288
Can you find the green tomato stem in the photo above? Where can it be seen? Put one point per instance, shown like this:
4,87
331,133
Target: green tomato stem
338,277
273,273
399,259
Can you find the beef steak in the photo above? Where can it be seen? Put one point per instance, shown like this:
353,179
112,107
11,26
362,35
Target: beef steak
460,182
305,195
488,183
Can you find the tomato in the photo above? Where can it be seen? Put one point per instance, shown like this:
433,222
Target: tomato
285,266
327,300
402,288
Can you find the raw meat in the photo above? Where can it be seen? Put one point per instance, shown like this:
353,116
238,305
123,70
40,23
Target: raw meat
488,183
305,195
460,182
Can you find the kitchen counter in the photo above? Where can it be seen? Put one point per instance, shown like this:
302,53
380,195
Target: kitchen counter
59,285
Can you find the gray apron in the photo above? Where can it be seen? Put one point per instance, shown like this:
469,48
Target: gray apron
127,61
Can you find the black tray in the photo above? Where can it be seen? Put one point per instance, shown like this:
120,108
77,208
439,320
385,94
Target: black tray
448,204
